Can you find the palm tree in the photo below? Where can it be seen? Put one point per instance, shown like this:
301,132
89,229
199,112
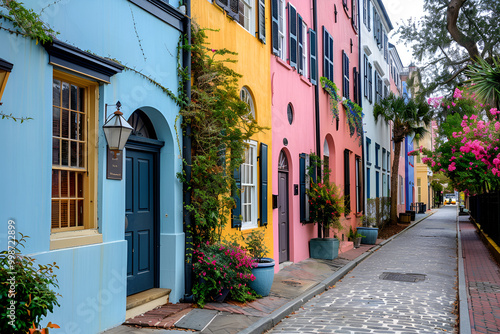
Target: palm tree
409,117
486,80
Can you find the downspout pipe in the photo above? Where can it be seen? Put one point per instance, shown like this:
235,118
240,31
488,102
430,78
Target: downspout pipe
316,101
360,99
186,153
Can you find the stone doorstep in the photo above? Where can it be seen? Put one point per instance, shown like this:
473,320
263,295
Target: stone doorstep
142,302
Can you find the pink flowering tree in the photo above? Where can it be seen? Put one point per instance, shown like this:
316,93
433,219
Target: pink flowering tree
468,153
408,118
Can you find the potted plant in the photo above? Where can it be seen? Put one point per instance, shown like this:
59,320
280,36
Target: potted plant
326,204
264,271
223,270
355,237
369,232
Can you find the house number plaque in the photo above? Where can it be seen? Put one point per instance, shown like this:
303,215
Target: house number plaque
114,165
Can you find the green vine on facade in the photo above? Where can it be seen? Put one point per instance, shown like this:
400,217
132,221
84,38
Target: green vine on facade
354,117
332,90
25,21
15,119
221,125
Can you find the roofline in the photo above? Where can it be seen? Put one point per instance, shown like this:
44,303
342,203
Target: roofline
382,7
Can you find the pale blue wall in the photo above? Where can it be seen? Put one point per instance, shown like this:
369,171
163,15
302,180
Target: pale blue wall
92,278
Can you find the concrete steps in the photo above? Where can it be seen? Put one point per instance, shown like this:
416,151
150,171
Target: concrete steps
142,302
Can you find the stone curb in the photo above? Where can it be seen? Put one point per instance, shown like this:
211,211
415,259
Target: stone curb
463,305
268,322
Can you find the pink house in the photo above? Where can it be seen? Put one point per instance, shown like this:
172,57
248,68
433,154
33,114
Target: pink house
302,122
338,59
293,123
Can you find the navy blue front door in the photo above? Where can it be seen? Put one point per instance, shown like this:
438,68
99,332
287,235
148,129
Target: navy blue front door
140,222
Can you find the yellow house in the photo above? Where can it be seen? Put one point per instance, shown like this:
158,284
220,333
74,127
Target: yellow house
246,30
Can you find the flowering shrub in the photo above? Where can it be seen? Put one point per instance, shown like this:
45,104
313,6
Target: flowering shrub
221,266
354,116
326,204
469,155
333,91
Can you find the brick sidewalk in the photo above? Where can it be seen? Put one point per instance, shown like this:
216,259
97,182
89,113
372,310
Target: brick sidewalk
482,276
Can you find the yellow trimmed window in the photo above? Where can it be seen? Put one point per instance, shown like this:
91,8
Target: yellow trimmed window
74,154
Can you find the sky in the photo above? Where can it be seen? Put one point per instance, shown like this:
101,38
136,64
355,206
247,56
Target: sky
398,11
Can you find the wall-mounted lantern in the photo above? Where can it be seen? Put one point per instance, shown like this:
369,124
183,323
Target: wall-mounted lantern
5,68
117,130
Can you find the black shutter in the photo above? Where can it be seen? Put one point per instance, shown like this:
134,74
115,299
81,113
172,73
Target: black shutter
370,83
275,26
355,84
368,9
302,177
234,6
301,44
344,88
364,11
292,15
365,70
347,185
262,21
236,218
313,74
326,65
347,75
231,7
263,184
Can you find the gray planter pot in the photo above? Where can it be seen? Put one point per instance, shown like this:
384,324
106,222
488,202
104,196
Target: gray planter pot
324,248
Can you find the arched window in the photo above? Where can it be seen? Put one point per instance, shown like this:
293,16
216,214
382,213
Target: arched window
283,162
246,97
142,125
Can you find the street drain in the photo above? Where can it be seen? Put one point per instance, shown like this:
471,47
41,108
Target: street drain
292,283
402,277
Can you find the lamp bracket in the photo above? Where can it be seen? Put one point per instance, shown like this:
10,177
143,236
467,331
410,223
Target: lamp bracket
118,105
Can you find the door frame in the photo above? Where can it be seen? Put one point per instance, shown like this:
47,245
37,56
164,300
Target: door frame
154,146
287,199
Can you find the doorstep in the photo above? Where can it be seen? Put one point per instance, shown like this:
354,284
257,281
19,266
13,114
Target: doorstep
142,302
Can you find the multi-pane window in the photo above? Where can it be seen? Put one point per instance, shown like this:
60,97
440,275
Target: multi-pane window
383,158
302,45
401,197
368,148
345,75
384,185
327,55
282,29
249,187
69,155
419,190
246,97
368,15
370,83
378,88
354,14
377,150
246,15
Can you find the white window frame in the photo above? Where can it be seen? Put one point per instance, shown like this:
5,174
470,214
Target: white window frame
282,28
305,42
246,97
249,203
249,13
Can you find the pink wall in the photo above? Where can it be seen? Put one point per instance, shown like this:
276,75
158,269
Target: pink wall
339,140
290,87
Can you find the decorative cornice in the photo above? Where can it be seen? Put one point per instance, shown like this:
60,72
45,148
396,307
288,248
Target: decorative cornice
163,11
69,57
5,65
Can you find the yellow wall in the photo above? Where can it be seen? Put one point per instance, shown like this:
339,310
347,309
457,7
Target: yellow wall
254,65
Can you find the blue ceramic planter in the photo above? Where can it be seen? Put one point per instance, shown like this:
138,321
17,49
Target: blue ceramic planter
369,234
324,248
264,276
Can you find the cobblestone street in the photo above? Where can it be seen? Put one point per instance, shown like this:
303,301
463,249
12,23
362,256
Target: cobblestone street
376,298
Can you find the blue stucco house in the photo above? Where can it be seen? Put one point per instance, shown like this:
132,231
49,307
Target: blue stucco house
113,231
409,161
